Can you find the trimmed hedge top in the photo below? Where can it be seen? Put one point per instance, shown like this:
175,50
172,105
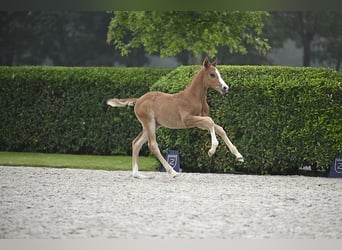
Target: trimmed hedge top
262,76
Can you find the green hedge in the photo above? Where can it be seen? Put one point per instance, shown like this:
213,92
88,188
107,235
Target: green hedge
280,118
59,109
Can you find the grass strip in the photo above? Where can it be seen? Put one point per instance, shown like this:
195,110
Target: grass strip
75,161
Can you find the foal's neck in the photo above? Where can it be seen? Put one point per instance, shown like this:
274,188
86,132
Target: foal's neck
197,88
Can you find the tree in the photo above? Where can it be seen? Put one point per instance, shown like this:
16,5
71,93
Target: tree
298,26
171,32
328,48
59,38
14,27
318,33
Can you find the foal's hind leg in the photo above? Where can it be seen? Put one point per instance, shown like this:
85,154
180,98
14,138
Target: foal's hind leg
136,146
153,145
220,131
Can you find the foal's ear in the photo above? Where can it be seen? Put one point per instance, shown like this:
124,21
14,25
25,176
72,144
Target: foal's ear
206,63
214,63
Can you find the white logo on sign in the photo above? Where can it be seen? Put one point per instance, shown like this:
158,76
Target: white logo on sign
338,165
172,160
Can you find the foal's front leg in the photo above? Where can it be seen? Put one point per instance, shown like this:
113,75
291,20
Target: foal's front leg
220,131
214,141
204,122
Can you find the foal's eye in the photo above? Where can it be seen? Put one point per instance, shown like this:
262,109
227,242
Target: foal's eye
212,75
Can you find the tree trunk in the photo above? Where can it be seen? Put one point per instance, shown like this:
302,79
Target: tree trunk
8,58
308,33
338,64
194,59
191,59
306,51
338,59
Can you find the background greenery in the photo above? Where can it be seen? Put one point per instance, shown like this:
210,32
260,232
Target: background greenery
168,33
280,118
64,110
78,38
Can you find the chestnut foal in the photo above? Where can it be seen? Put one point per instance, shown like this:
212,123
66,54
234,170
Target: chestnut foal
185,109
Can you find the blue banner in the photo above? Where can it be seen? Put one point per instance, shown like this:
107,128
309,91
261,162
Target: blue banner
172,158
336,167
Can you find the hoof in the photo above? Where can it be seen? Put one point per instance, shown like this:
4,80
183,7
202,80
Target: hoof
240,159
141,176
176,176
211,152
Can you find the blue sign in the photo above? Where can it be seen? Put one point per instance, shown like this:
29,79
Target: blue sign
336,167
172,158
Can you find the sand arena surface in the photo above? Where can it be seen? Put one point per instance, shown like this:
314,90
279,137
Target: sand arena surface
47,203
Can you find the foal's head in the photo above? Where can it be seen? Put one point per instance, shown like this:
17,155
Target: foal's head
212,78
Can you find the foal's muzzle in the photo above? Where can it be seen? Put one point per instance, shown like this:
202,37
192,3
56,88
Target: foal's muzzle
224,89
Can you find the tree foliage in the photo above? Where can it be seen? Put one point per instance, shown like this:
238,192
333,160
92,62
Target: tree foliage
74,38
171,32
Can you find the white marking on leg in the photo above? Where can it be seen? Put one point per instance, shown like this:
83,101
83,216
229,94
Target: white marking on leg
234,150
135,170
229,144
214,142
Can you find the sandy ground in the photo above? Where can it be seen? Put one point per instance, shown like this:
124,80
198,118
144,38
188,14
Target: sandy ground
46,203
